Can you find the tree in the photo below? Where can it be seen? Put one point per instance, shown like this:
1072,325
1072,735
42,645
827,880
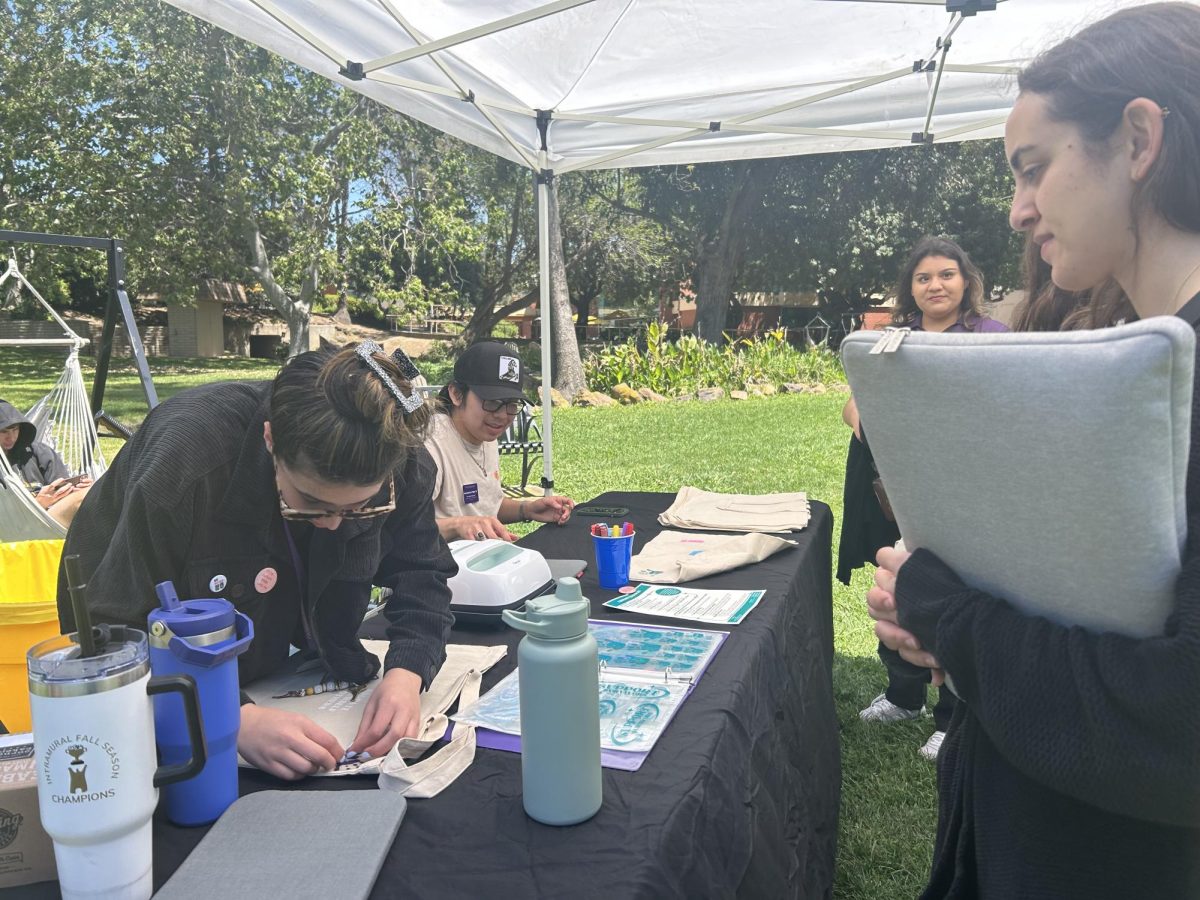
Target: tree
843,224
207,154
709,211
722,251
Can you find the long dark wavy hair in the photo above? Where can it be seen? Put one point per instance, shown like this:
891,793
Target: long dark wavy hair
971,308
1047,307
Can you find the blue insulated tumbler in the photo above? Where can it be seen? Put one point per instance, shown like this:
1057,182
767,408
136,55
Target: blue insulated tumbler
200,638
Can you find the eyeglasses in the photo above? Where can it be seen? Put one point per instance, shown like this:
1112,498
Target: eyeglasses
512,407
363,512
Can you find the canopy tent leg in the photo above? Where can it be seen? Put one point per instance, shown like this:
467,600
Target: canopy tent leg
543,225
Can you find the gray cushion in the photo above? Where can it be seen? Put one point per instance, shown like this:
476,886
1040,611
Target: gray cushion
292,844
1048,469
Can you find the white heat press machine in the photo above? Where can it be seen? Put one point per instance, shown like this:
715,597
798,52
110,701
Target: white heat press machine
493,576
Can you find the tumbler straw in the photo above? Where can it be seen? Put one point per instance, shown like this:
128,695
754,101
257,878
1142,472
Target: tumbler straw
83,619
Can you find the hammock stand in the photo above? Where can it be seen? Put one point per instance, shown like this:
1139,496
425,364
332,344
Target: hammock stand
63,418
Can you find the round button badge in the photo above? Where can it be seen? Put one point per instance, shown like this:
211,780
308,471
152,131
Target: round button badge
265,580
217,584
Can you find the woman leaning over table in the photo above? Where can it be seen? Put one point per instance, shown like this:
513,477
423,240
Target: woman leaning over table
939,289
474,410
289,498
1072,766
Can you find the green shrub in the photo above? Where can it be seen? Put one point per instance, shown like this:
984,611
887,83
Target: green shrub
505,330
688,364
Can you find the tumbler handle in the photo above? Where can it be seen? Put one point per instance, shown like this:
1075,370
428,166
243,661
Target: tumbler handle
185,686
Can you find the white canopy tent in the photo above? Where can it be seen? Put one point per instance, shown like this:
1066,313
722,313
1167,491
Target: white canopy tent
589,84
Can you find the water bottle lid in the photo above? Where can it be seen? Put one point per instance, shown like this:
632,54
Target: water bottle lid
557,617
190,618
57,670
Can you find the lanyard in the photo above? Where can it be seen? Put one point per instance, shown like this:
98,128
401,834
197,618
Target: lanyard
301,582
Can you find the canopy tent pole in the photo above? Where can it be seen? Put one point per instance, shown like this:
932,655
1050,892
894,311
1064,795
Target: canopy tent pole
543,177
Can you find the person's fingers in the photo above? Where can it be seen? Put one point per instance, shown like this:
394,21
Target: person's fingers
938,676
919,658
886,579
381,722
881,604
399,729
894,637
486,526
373,724
323,748
289,764
384,746
890,559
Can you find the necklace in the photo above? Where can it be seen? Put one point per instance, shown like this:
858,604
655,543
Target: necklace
478,455
475,451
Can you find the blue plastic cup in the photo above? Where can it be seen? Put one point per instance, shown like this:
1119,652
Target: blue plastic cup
612,559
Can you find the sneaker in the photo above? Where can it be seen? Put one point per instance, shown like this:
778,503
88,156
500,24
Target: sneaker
885,711
932,747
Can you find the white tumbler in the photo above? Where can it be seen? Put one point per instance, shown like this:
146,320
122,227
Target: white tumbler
97,769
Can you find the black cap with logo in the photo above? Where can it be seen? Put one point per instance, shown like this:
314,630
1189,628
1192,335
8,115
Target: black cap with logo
492,370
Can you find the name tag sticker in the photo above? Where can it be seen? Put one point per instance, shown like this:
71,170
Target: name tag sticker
471,493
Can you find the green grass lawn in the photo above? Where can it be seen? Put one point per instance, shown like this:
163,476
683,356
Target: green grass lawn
785,443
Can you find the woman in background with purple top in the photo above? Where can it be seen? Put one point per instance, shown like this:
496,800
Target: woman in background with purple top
939,289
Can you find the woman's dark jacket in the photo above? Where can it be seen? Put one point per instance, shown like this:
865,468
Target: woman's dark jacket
865,529
192,498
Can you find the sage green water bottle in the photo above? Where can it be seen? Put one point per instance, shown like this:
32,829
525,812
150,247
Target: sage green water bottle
560,707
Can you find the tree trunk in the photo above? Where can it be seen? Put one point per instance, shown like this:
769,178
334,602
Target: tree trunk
479,326
720,255
568,367
342,314
582,307
295,311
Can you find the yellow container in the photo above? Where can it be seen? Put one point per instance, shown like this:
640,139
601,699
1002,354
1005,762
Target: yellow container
28,614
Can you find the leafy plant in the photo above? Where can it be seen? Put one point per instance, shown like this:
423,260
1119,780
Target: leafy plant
688,364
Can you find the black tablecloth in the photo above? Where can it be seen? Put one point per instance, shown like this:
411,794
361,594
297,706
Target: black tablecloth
738,798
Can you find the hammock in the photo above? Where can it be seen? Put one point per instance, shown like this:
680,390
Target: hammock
63,419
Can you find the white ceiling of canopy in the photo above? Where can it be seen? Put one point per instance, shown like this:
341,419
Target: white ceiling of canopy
646,82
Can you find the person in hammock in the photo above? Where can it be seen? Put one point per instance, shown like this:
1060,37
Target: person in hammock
40,466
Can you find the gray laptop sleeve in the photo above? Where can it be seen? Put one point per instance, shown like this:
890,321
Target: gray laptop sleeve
1047,469
292,844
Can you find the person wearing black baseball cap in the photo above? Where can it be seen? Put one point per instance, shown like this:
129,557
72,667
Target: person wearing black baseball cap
477,407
